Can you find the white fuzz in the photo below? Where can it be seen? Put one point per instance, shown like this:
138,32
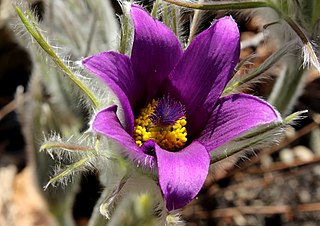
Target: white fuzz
309,56
147,167
127,29
174,219
281,33
257,138
116,197
60,27
65,153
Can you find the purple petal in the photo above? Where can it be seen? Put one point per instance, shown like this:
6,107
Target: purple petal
155,50
233,115
116,71
204,69
107,123
182,174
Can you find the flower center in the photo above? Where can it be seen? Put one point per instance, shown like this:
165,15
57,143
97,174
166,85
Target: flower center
163,121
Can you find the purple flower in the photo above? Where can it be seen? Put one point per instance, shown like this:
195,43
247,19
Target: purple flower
173,114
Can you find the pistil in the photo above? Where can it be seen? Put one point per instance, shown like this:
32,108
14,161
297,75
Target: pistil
163,121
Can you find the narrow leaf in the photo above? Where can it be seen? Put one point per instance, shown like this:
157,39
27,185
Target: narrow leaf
68,171
36,34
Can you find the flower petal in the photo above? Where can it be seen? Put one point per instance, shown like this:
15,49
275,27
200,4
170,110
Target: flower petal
155,51
107,123
116,71
182,174
234,115
204,69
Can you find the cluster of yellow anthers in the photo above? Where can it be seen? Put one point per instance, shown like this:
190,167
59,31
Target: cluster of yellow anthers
170,138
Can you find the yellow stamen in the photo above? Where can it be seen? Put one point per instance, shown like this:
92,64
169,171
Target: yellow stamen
171,138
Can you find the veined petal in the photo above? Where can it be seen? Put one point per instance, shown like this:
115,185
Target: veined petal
116,71
204,69
107,123
155,51
182,174
234,115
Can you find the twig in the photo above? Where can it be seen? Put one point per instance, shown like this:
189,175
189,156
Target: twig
264,182
264,210
302,132
10,107
15,104
268,179
282,166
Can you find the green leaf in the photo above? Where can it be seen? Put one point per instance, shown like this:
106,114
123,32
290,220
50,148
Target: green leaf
36,34
66,146
246,4
69,170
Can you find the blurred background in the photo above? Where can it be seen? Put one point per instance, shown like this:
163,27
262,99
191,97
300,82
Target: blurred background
279,185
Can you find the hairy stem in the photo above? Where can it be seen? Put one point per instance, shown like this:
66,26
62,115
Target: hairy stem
220,5
36,34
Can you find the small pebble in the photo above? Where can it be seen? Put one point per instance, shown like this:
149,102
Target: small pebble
240,220
303,153
286,156
304,196
229,195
